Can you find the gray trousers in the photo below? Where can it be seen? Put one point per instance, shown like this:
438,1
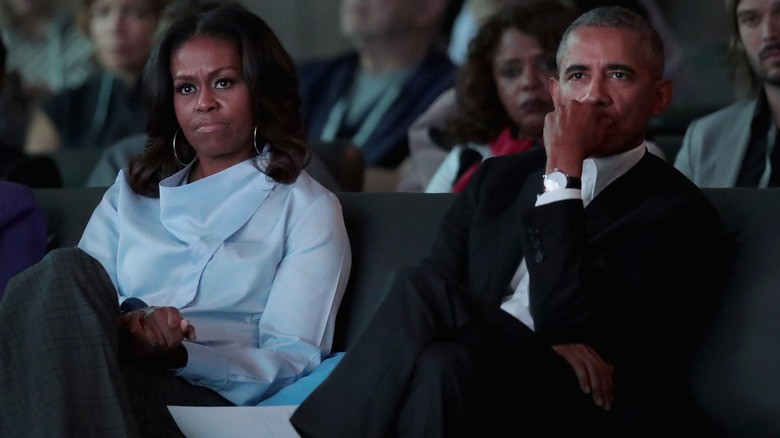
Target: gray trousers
61,371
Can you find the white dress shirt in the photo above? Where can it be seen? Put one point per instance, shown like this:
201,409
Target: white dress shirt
597,173
257,267
444,179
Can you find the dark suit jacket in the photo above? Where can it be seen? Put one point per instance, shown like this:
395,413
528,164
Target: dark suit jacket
322,83
623,275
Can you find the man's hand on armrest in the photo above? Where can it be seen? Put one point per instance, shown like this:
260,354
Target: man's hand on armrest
593,373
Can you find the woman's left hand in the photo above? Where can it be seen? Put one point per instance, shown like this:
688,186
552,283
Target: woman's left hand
154,336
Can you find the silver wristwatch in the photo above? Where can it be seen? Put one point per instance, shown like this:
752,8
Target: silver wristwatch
557,180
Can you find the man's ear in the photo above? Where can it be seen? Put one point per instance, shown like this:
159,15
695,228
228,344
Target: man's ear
555,91
664,90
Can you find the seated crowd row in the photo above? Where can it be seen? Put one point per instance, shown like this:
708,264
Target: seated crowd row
397,113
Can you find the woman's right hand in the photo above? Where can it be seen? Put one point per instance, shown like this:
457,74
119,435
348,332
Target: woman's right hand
154,335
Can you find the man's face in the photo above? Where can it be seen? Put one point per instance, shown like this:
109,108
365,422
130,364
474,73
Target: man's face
610,69
364,20
759,30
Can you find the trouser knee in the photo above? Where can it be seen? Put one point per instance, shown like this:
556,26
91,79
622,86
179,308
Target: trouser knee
64,279
446,361
420,281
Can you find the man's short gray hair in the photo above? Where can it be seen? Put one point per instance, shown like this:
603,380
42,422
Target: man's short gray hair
621,18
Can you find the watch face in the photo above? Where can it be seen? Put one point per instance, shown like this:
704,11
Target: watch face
554,181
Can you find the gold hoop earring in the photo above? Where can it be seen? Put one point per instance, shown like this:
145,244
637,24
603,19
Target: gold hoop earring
175,155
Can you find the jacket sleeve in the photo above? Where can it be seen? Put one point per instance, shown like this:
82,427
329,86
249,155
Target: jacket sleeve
101,236
636,281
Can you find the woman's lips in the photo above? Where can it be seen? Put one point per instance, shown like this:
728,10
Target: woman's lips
209,127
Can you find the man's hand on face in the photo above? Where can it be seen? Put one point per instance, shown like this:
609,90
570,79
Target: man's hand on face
593,373
572,133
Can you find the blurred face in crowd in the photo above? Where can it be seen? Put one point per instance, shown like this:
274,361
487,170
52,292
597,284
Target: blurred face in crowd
374,19
212,102
122,31
522,72
759,30
24,8
609,70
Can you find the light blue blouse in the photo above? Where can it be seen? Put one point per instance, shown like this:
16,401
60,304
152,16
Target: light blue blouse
258,268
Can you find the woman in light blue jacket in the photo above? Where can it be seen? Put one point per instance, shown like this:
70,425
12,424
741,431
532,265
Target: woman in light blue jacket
229,260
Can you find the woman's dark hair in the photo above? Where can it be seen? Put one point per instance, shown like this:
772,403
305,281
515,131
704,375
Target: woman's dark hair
481,116
270,75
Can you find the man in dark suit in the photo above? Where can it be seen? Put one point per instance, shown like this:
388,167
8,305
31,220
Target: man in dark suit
558,297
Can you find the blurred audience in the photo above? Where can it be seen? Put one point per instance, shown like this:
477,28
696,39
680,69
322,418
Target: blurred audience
46,53
370,97
119,156
16,166
472,14
737,146
45,46
503,89
107,106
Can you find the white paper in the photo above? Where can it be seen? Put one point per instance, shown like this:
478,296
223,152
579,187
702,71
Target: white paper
235,421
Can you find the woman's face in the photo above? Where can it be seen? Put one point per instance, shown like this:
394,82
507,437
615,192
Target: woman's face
212,102
522,72
123,32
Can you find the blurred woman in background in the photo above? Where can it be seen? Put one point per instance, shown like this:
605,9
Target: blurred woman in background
503,89
45,47
107,107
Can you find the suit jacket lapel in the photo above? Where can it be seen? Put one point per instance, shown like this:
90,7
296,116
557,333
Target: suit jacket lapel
734,143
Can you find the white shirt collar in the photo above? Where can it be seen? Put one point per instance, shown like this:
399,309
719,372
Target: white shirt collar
597,174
